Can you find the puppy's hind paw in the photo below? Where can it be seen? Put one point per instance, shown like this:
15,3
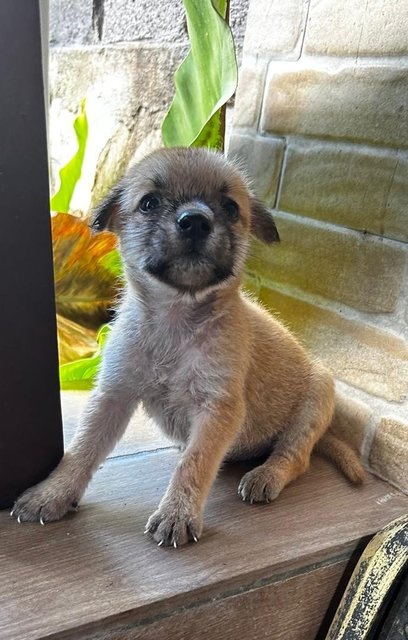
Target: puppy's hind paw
259,485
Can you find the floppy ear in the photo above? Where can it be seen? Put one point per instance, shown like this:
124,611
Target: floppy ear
262,223
104,215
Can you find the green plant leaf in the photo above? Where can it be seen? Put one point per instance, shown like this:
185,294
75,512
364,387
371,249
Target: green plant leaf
205,80
71,172
112,262
81,374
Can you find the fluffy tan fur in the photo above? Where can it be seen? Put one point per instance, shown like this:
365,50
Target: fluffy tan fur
216,371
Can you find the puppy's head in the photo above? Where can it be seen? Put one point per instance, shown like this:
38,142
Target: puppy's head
183,217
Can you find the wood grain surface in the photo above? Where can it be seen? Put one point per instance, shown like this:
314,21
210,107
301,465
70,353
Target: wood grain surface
96,569
291,609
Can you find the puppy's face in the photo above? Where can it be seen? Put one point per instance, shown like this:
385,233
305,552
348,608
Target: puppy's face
183,217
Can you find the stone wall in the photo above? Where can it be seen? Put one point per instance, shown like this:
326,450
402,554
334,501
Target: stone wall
321,118
121,56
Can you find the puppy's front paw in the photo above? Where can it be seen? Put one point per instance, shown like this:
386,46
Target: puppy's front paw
259,485
174,524
47,501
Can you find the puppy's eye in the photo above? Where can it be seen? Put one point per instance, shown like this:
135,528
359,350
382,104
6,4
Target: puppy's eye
149,202
232,209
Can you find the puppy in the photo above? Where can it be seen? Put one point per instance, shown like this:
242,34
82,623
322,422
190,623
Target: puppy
219,374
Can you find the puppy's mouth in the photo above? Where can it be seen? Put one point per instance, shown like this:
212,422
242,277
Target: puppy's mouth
190,272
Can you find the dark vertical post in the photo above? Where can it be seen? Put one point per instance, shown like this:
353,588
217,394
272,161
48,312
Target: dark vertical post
30,415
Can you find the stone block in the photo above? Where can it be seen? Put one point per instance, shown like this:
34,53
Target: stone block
357,269
248,100
251,287
356,103
351,420
365,357
358,187
261,159
389,451
70,22
74,22
128,91
238,13
275,28
127,21
376,28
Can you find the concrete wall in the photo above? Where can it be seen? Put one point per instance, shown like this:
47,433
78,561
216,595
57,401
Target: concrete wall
121,55
321,118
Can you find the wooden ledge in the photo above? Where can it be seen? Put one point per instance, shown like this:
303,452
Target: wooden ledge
96,575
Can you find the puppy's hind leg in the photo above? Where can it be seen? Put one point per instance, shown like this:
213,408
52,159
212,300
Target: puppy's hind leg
291,454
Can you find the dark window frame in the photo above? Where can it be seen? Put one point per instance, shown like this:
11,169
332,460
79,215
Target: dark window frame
31,439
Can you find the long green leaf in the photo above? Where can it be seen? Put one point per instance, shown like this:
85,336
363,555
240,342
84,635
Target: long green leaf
71,172
113,263
81,374
205,80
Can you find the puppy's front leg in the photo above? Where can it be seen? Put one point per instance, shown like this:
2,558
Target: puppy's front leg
179,518
103,422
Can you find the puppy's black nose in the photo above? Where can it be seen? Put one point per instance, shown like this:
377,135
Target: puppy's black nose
194,224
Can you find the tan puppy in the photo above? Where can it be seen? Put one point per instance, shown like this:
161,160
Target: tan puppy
217,372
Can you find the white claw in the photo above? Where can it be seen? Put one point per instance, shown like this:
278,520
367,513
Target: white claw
19,519
159,544
42,521
175,544
145,531
195,538
11,513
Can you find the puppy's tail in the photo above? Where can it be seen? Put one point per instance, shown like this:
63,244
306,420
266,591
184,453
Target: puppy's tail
343,456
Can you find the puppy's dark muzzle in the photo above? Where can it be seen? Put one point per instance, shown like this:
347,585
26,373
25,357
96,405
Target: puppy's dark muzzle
195,224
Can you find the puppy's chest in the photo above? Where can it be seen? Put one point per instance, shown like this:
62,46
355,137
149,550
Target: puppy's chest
182,373
179,363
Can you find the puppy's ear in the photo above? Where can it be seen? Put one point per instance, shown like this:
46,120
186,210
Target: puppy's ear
262,223
103,216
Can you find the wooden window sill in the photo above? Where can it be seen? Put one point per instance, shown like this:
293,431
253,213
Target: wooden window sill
258,572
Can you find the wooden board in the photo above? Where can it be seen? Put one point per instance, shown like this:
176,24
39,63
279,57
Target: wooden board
96,568
291,609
